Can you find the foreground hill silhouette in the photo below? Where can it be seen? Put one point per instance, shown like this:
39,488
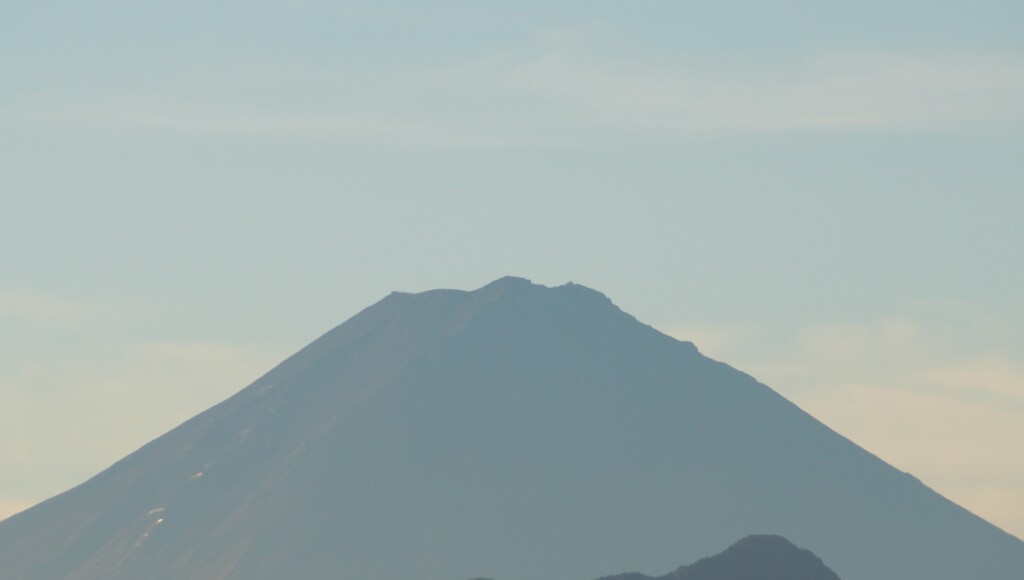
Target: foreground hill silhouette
752,558
516,432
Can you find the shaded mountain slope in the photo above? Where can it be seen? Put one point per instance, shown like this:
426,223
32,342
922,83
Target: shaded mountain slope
515,431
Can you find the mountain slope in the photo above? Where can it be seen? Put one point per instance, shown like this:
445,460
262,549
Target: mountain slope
515,431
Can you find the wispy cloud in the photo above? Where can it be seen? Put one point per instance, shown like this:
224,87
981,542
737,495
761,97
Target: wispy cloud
22,304
843,92
995,376
554,91
213,120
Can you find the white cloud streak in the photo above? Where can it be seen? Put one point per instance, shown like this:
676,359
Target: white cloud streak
24,305
556,94
870,92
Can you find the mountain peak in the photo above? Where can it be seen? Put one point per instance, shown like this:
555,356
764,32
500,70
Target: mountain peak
511,281
758,557
507,285
757,542
517,286
517,283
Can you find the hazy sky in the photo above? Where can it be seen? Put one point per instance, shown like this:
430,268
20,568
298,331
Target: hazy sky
826,195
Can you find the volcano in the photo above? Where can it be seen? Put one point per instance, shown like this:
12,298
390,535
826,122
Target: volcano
517,432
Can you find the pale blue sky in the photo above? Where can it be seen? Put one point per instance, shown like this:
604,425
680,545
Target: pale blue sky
826,195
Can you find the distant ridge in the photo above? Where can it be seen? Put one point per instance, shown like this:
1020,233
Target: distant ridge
761,557
516,430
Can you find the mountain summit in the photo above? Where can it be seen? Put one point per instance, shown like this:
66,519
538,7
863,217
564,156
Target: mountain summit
515,431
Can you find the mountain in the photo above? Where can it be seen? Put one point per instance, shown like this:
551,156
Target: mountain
515,432
764,557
